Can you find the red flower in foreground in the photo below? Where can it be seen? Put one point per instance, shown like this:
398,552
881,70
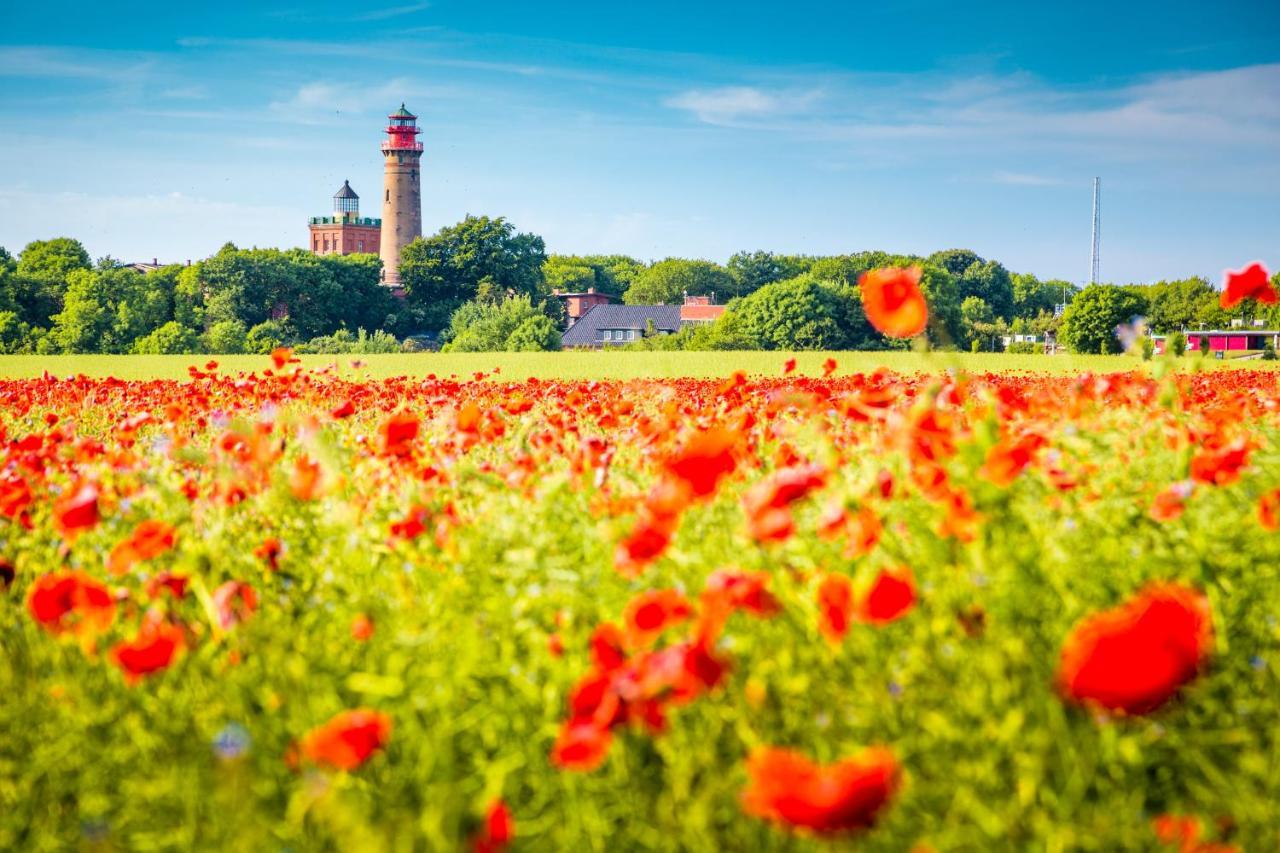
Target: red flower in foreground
498,830
150,539
788,788
1135,657
361,628
1185,832
1269,510
649,613
705,459
280,356
154,648
348,740
892,595
893,301
1221,466
1251,282
835,607
71,601
78,510
1172,502
581,745
397,434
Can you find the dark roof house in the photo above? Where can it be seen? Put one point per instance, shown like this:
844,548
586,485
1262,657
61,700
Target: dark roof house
610,325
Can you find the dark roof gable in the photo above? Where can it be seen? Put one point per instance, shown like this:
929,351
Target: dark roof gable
346,191
586,332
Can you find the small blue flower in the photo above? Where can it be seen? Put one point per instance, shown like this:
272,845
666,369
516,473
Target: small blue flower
232,742
1257,663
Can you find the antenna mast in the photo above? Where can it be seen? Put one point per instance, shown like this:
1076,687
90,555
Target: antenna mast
1097,203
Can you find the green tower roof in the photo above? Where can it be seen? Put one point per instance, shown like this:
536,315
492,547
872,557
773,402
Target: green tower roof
402,113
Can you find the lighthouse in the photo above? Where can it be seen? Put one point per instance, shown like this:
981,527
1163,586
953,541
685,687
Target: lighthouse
401,192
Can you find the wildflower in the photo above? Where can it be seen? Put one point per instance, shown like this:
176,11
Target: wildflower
496,832
789,789
835,607
78,510
1135,657
149,539
154,648
398,433
1171,502
704,460
361,628
1269,510
649,613
1252,282
71,601
893,301
348,740
892,595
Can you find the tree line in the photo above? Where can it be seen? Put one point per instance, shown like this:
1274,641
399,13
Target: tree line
482,285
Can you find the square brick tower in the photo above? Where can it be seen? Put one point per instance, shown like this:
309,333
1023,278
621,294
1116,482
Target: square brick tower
345,232
401,192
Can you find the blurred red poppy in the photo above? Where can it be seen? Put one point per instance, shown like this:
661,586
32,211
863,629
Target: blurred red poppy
835,607
1135,657
497,831
71,601
893,301
154,647
348,740
789,789
78,510
1252,282
892,595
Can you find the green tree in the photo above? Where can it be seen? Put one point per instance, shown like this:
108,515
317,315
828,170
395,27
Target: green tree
801,313
226,337
514,322
441,272
611,274
1032,297
753,270
268,335
979,322
955,261
667,282
106,310
990,282
1090,321
1183,304
52,261
171,338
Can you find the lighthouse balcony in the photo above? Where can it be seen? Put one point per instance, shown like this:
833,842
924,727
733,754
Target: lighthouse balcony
402,146
341,220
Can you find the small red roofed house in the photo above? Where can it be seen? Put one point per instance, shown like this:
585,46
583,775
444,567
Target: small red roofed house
698,309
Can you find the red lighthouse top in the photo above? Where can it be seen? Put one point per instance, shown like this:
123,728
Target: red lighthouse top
402,127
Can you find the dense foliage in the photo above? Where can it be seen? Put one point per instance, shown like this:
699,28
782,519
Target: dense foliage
293,610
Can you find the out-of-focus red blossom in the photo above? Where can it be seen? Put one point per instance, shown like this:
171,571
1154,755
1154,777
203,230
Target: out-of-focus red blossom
78,510
1008,458
348,740
789,367
835,607
413,525
727,590
361,628
704,460
582,745
306,481
829,367
497,831
269,552
398,433
649,613
1252,282
149,540
280,356
1171,502
156,645
787,788
15,498
175,585
1221,466
767,502
893,301
1269,510
555,645
235,602
1135,657
71,601
344,410
1185,831
891,596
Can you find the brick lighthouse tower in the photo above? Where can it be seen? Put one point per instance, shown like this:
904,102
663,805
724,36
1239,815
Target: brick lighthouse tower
401,192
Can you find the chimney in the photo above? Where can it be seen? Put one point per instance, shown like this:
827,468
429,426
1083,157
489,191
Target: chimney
591,290
155,262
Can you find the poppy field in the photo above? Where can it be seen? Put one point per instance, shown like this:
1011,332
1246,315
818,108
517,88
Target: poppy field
287,609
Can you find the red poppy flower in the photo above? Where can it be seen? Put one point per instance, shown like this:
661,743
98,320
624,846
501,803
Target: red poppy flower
582,745
348,740
497,831
1135,657
1269,510
1008,458
306,482
829,367
269,552
649,613
789,789
1171,502
1222,465
789,367
71,601
235,603
361,628
156,645
891,595
1252,282
397,434
78,510
176,585
280,356
345,410
704,460
893,301
149,540
835,607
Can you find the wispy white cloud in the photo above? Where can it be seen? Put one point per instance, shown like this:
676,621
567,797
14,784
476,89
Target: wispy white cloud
391,12
1022,179
733,104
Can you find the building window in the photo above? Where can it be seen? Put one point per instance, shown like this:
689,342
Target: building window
388,195
360,246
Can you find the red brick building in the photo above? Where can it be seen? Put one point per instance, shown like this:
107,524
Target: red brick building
579,303
345,233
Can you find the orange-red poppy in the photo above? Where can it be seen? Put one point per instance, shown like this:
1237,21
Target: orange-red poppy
348,740
1252,282
787,788
893,301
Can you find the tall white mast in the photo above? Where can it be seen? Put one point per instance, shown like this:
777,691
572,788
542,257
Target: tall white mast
1097,215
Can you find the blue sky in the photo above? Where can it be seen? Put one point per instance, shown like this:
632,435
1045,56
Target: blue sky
658,129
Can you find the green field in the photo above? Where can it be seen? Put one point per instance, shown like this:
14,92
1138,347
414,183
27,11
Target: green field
577,364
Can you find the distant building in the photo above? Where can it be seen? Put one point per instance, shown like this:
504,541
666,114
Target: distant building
578,304
1225,343
346,232
147,266
401,192
605,324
